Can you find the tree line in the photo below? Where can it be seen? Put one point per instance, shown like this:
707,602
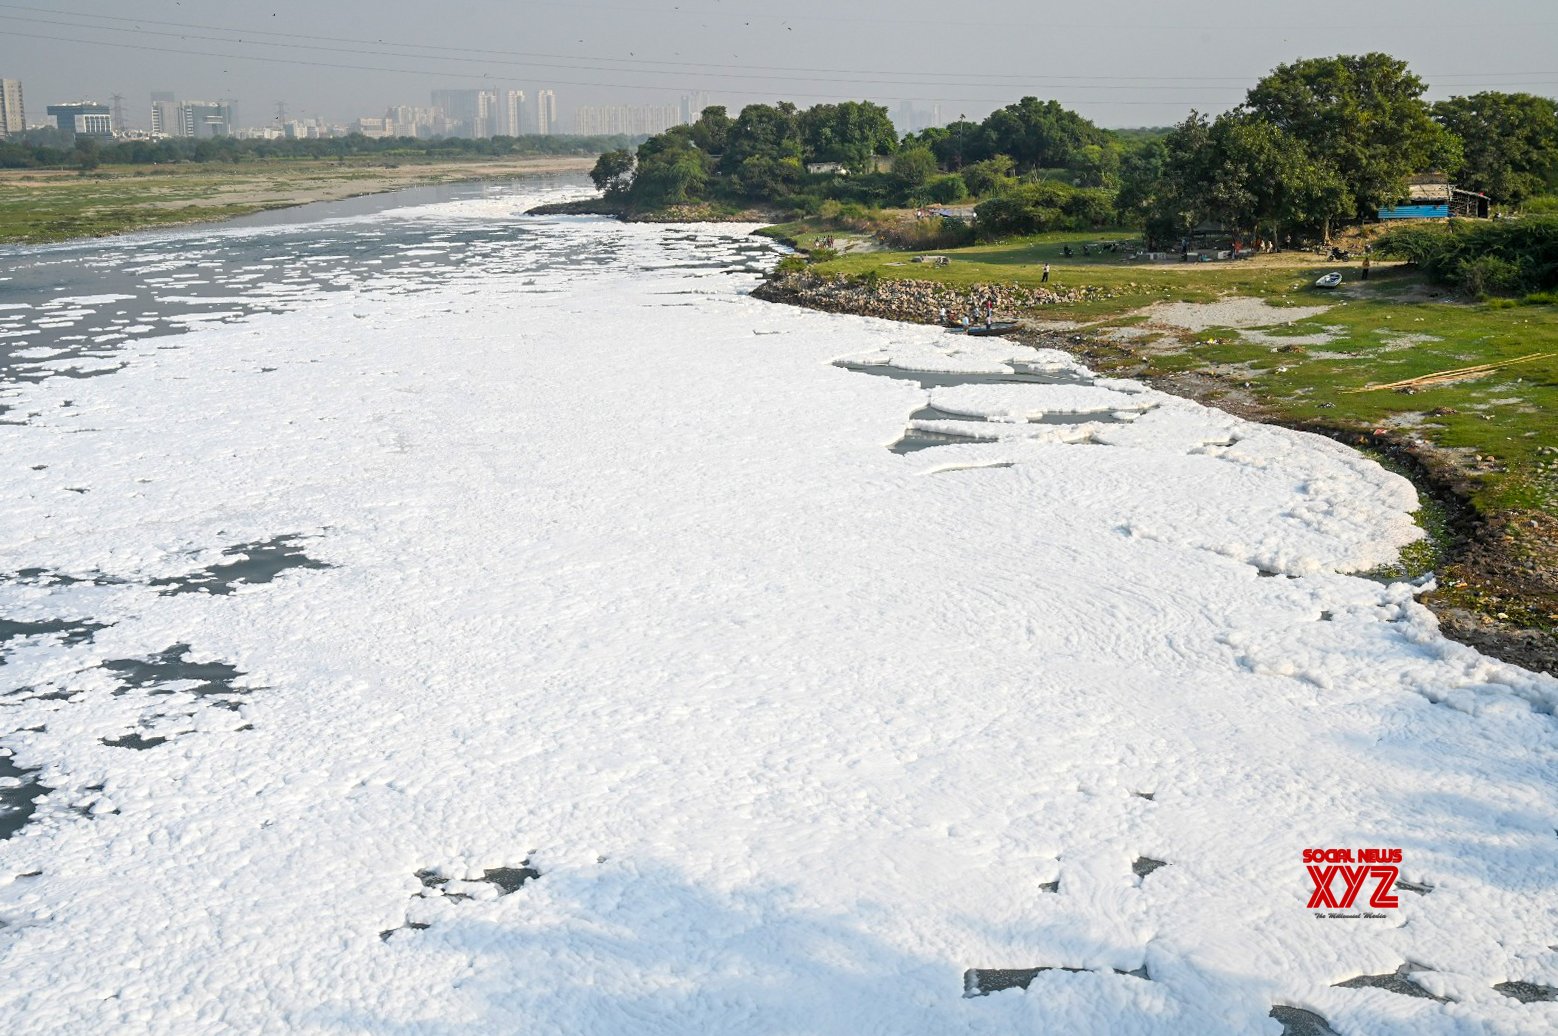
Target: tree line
1315,143
52,149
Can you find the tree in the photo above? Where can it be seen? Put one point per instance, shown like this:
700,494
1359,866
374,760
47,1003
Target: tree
955,145
1362,116
992,176
1140,170
851,133
712,129
1040,135
613,172
913,167
767,131
1509,142
1096,165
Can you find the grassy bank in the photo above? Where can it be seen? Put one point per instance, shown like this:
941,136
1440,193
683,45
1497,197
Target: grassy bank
1491,438
41,206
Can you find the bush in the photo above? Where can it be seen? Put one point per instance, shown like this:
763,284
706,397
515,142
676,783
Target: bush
946,190
1030,209
1490,275
791,264
992,176
927,235
1484,257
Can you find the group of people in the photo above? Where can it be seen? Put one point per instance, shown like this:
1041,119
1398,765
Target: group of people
978,309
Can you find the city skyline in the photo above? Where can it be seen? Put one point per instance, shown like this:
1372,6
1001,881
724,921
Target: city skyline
1120,63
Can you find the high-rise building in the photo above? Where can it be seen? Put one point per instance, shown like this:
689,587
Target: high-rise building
204,119
415,122
632,120
462,109
511,113
13,114
693,105
164,114
83,118
546,112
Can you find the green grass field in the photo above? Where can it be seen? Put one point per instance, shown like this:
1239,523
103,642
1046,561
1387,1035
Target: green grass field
39,206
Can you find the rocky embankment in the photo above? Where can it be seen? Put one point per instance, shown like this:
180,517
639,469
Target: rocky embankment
918,302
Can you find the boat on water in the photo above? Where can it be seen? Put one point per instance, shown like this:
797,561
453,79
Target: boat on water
995,327
1329,280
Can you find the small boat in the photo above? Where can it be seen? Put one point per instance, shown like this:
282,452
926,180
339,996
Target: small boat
995,327
1329,280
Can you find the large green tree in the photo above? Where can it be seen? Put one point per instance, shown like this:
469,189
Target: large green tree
851,132
1362,116
1040,134
1509,142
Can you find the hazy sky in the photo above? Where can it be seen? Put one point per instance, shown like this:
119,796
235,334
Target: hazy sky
1120,62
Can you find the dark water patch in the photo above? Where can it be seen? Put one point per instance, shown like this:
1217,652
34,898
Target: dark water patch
413,926
1050,886
135,740
19,792
984,981
933,413
211,679
47,577
916,439
1298,1022
1398,982
507,880
257,563
951,379
1148,795
71,631
1412,886
1145,865
1527,992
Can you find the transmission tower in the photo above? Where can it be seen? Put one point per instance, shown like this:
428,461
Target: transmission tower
281,113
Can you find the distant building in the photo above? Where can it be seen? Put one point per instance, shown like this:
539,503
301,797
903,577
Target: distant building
462,110
204,119
693,105
13,114
83,118
375,128
632,120
409,121
164,114
510,114
546,112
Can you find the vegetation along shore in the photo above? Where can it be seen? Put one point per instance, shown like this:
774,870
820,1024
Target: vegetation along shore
1188,257
50,193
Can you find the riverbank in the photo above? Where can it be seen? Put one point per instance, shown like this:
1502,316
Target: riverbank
1483,449
39,206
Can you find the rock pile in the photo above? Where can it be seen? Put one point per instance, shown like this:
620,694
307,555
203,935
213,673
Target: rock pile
917,302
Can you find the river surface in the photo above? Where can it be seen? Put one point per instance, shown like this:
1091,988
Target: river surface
420,617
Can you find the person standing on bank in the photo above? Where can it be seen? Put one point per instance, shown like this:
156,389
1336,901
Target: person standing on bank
1366,261
1045,279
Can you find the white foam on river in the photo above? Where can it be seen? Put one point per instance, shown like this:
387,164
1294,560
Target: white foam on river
624,587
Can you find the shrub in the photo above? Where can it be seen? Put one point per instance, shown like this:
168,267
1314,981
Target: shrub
1490,275
1511,257
946,190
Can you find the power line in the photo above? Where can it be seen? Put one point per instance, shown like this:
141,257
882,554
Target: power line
506,79
919,77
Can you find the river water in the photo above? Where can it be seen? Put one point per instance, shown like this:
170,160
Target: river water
417,616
